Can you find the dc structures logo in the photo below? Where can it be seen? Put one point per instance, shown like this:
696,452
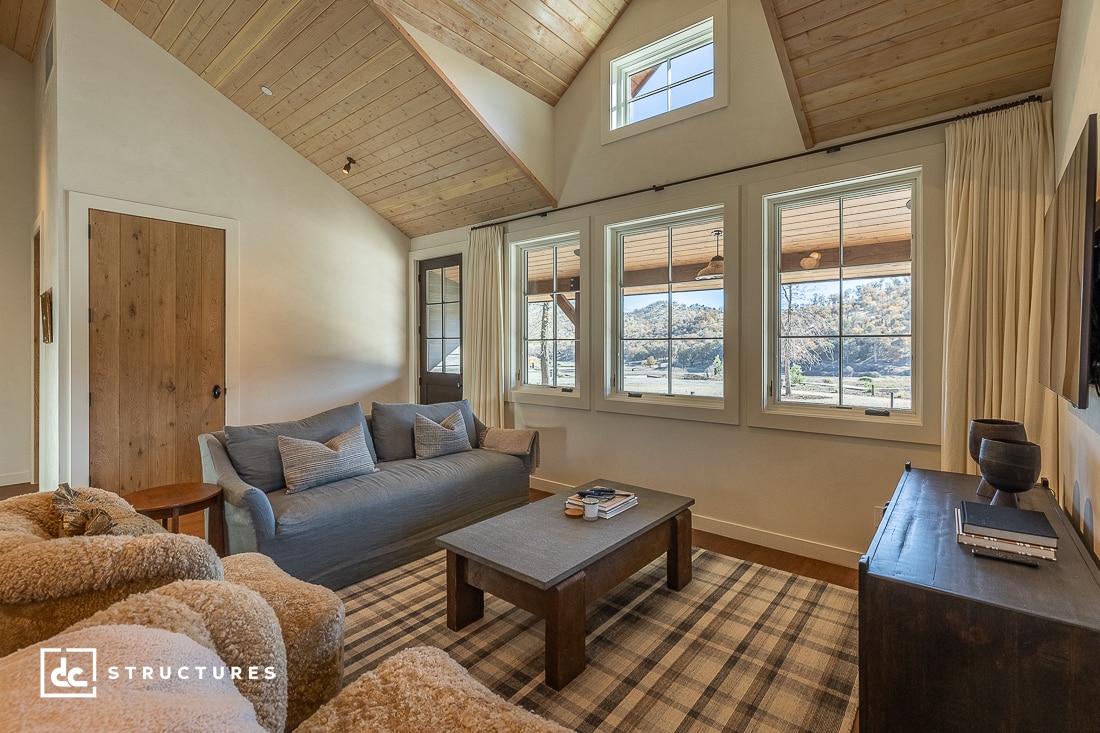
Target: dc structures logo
67,672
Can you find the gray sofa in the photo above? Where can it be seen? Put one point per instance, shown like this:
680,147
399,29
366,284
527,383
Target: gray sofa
339,533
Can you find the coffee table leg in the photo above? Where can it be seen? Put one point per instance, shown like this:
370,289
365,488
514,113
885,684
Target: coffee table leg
679,551
465,603
565,631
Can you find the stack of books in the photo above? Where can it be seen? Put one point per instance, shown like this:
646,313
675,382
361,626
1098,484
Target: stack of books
1018,531
610,505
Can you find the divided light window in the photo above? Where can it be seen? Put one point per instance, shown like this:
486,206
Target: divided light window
671,306
845,284
663,76
551,276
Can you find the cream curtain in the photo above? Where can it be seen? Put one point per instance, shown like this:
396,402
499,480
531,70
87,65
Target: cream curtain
484,362
999,183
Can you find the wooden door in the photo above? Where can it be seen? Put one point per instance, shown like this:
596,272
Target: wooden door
156,347
440,305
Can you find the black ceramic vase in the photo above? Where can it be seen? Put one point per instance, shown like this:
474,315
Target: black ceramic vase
988,427
1009,466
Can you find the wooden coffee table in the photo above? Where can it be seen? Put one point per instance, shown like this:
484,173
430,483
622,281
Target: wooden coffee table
553,566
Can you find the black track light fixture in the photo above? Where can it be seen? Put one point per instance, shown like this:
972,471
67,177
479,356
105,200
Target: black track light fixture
348,165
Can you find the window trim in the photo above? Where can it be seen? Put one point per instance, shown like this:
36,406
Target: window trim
516,243
921,425
720,36
689,39
609,327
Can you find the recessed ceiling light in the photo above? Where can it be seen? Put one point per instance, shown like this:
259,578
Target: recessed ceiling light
266,91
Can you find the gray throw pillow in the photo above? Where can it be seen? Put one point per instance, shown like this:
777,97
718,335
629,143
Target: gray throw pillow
254,449
440,438
392,425
307,463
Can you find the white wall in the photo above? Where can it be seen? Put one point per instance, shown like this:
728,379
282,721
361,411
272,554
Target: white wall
17,291
521,120
48,207
758,124
1076,90
320,292
813,494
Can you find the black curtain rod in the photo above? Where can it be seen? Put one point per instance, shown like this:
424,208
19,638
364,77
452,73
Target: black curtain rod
750,166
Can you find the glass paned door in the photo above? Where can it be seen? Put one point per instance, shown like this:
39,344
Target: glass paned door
440,300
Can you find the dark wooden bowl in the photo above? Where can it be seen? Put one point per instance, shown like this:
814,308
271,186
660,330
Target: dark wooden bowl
982,428
988,427
1010,466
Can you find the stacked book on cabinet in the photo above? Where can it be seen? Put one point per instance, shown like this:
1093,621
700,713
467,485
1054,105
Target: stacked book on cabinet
1007,529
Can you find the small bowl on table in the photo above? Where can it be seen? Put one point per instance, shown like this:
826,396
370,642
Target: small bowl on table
1009,466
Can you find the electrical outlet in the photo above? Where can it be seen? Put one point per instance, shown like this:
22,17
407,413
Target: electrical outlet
879,511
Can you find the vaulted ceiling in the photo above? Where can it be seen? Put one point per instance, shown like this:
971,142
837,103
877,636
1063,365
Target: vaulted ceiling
862,65
347,78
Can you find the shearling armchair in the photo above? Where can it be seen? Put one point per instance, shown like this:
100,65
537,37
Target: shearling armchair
49,582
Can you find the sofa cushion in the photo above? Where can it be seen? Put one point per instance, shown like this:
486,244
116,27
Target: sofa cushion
340,533
254,449
394,426
443,438
308,463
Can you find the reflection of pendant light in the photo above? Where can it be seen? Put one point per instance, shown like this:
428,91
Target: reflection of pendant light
811,262
717,265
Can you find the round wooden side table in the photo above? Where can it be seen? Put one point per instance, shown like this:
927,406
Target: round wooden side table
168,502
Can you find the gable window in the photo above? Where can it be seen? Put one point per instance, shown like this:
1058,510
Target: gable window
671,306
842,295
663,76
673,73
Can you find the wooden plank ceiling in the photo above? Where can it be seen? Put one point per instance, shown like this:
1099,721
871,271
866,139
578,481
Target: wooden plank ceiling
20,24
346,80
861,65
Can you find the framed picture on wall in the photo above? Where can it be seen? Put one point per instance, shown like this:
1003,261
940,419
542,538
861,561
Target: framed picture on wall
47,316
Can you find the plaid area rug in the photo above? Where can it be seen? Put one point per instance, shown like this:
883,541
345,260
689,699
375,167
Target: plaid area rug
742,648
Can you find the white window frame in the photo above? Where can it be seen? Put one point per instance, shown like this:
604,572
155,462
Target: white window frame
661,44
900,425
683,407
518,243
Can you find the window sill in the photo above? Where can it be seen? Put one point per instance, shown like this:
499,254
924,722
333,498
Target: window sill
675,408
902,427
550,396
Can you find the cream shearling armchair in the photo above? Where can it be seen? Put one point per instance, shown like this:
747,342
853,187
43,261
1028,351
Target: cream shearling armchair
49,581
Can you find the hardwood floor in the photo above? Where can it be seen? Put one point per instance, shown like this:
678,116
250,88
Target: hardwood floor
6,492
796,564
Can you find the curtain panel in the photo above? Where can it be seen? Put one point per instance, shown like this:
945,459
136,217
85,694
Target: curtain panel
999,183
484,353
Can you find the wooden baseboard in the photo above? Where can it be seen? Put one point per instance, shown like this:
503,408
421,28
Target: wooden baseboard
6,492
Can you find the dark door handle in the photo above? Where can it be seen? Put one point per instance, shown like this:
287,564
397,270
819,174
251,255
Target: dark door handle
217,391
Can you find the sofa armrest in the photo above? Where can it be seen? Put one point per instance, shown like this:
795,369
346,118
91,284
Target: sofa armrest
521,442
249,518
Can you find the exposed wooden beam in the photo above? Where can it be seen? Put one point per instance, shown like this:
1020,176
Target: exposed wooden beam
789,79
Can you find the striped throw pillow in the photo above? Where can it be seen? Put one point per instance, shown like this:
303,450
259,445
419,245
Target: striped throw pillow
307,463
441,438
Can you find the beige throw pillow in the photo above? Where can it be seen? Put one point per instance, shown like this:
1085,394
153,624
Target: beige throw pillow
307,463
432,439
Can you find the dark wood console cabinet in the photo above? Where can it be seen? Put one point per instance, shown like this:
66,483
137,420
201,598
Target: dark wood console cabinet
953,642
